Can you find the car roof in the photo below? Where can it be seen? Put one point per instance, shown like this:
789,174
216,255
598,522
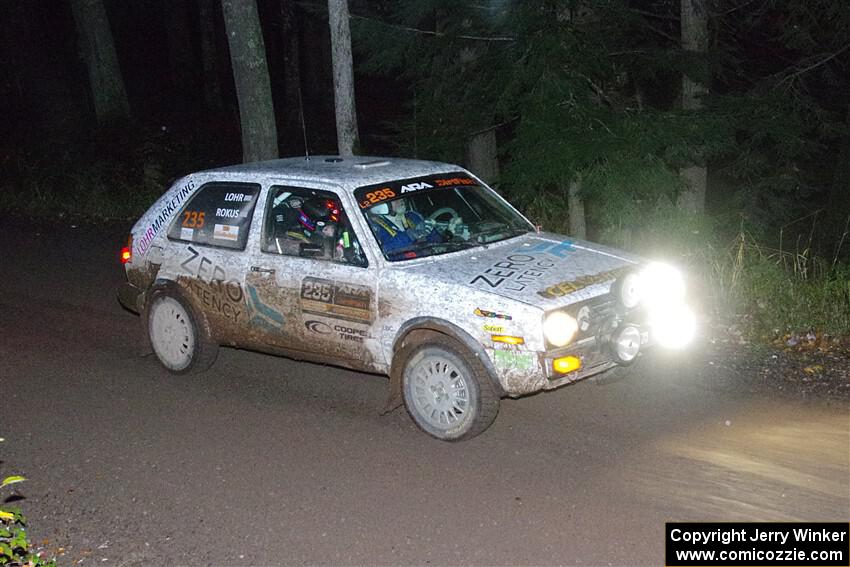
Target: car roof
347,172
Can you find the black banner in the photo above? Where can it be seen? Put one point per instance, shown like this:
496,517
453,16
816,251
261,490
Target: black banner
804,544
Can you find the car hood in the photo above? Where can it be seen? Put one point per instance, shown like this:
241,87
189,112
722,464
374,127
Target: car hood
543,269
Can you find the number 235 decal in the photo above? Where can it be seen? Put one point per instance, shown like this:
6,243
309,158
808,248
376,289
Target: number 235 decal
193,219
376,197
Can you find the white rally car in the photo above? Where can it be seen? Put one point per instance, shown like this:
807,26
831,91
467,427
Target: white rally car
412,269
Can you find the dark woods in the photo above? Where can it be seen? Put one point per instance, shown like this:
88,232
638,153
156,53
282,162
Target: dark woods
596,117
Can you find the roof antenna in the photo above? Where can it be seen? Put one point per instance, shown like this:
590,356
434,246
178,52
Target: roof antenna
303,124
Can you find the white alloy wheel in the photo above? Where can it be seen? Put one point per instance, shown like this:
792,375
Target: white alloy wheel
445,395
172,333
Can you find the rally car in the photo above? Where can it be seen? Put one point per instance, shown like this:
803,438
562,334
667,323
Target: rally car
413,269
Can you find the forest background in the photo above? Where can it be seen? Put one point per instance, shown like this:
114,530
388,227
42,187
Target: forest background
710,132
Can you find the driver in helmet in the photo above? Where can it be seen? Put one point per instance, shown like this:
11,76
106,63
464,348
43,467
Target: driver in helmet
313,230
398,228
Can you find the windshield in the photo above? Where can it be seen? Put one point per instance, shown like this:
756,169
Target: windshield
436,214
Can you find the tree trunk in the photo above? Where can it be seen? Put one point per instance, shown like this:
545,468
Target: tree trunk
251,77
209,56
343,73
695,40
482,157
107,86
292,117
578,220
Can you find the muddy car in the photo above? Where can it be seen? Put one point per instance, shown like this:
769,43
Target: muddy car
412,269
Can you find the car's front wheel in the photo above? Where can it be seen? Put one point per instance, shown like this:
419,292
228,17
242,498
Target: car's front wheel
180,341
447,392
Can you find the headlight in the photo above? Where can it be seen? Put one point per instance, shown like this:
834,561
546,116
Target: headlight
559,328
662,284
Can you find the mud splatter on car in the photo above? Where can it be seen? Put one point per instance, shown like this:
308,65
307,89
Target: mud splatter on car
409,268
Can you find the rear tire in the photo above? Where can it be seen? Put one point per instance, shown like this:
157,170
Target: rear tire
447,391
180,340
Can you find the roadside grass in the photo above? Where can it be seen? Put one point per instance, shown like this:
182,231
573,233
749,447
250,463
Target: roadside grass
114,173
768,291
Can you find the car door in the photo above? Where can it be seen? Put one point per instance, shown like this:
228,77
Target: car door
309,287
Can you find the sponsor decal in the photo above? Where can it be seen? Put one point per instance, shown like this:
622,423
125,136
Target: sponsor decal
193,219
448,182
376,196
226,232
261,314
493,328
509,359
557,249
415,187
373,194
345,332
318,327
513,273
564,288
237,197
210,285
165,213
348,333
492,314
339,300
224,213
187,233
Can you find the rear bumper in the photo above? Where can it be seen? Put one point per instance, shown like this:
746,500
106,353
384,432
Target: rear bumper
131,297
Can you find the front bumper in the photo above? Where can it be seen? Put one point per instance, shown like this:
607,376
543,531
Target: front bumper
595,356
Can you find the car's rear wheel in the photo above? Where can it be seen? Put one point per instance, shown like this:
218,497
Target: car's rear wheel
179,339
447,392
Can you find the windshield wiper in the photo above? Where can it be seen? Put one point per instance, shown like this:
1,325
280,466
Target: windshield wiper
509,232
456,244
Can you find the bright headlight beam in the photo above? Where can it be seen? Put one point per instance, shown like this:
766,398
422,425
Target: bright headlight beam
559,328
662,284
673,326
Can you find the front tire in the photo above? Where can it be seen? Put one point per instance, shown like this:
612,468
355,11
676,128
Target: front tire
447,391
179,339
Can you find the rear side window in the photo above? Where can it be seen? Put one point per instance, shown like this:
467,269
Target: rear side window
218,215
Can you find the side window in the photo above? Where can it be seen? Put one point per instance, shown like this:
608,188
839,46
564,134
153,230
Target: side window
310,223
218,215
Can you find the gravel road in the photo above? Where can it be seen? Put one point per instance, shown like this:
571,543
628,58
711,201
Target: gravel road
267,461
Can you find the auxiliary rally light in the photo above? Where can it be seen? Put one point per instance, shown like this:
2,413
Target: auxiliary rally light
660,288
625,344
673,327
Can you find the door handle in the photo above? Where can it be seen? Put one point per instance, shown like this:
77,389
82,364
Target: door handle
262,270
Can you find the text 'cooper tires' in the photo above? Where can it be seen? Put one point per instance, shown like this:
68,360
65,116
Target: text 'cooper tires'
179,342
447,392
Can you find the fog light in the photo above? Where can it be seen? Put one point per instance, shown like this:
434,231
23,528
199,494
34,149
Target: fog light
625,344
566,364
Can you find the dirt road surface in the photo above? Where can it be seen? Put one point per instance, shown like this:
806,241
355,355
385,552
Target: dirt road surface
267,461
